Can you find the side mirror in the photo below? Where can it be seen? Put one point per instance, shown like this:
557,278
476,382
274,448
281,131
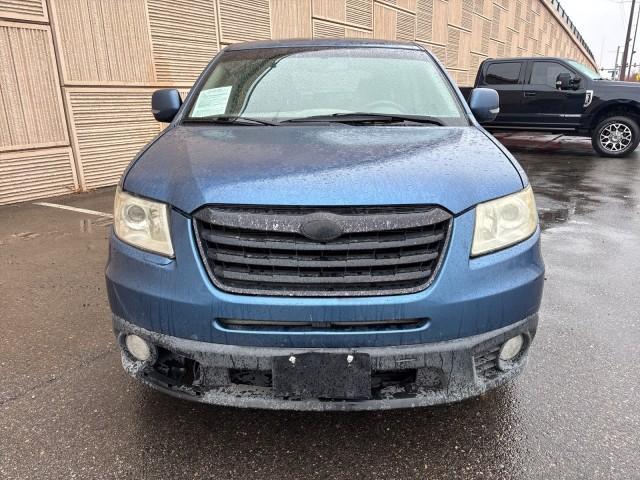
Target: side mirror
575,83
484,104
565,81
165,104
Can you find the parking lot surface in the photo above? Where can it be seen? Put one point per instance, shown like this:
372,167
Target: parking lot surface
67,410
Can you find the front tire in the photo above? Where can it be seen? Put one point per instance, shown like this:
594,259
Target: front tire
616,137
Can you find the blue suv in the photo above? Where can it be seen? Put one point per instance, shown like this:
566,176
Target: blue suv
324,225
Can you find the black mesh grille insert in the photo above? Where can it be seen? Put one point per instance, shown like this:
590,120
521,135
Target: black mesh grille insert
318,251
486,363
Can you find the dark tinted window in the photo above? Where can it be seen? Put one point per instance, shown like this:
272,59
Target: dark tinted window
506,73
546,73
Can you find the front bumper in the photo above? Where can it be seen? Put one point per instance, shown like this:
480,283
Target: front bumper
402,376
468,297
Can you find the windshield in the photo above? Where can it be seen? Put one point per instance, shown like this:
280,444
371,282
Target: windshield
277,84
584,70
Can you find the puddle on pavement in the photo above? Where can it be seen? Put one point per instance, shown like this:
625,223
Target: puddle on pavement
569,186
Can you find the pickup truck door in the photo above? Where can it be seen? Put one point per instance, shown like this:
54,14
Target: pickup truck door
544,105
506,77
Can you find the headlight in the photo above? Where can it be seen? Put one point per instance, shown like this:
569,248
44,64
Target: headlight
142,223
504,222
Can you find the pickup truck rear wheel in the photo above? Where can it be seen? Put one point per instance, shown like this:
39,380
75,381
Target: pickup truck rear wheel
616,136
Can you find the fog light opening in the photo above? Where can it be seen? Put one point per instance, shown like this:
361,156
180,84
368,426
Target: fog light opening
512,348
138,348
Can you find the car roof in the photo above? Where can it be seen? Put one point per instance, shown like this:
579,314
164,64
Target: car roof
328,42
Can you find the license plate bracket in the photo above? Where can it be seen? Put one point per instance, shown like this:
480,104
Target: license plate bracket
323,375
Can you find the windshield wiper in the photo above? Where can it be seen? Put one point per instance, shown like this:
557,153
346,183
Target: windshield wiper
227,119
357,117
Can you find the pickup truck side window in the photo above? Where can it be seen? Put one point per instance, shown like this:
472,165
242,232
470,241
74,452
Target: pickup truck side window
503,73
546,73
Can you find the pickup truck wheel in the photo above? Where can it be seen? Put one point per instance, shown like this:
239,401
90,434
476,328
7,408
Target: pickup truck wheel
616,137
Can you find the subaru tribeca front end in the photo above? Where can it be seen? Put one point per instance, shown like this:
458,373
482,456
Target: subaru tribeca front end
324,226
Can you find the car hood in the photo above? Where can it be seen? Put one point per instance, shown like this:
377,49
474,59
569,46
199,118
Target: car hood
630,88
193,165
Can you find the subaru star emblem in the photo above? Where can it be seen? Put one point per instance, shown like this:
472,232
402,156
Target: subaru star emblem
321,228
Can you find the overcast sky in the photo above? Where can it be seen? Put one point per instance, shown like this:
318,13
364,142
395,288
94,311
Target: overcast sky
603,24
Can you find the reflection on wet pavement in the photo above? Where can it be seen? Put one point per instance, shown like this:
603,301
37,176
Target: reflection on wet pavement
567,185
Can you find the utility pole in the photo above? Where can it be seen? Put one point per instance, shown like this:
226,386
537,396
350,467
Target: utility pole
616,72
627,41
633,48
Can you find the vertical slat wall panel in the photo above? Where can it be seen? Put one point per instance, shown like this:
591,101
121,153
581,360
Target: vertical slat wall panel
183,38
34,10
291,19
81,130
440,30
334,10
407,4
454,12
103,42
109,127
384,22
31,112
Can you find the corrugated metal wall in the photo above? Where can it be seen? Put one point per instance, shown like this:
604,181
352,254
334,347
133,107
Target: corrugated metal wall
76,76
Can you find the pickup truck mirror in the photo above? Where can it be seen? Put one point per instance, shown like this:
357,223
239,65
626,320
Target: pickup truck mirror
575,83
565,81
484,104
165,104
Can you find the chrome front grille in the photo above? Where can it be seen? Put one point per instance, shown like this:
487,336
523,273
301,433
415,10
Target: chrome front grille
322,251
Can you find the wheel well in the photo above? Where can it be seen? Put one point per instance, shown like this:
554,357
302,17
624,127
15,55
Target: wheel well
616,110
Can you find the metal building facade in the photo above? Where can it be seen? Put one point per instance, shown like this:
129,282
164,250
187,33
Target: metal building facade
76,76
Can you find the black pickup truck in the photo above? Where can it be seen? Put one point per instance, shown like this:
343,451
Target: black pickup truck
560,95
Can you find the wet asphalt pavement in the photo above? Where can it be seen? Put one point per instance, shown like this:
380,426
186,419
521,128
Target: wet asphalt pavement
67,410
